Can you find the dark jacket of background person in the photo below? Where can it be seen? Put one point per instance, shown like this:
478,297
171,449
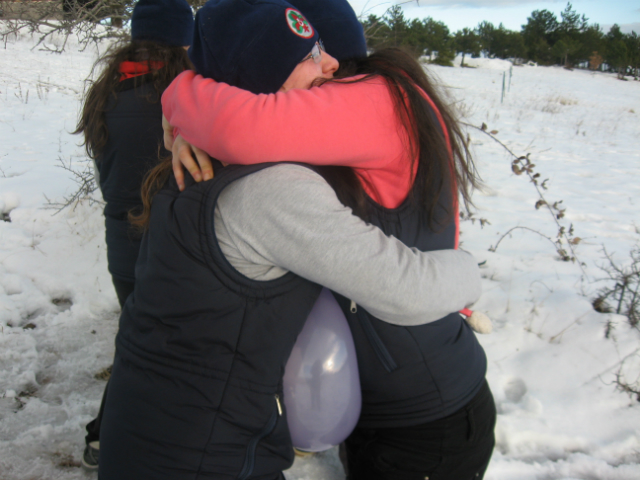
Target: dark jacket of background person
133,148
200,354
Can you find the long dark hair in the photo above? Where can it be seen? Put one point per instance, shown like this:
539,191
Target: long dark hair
437,172
92,121
154,180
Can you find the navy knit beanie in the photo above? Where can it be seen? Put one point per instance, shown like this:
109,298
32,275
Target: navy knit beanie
338,26
251,44
163,21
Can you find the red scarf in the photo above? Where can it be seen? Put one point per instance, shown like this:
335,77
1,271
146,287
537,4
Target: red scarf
135,69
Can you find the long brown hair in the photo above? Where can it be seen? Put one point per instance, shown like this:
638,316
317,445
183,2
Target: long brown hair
92,121
153,182
435,172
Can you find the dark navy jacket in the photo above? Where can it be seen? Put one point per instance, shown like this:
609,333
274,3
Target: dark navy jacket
196,387
413,375
134,123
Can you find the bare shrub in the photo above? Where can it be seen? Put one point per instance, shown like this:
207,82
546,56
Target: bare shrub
90,20
622,293
84,177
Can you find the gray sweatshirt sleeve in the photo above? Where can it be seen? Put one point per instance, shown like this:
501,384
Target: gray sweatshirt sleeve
287,218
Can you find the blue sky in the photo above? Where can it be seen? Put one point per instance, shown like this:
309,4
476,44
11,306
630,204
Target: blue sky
512,13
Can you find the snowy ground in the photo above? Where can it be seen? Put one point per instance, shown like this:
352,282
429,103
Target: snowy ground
550,366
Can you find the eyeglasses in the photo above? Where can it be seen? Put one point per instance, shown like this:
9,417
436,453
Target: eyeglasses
316,52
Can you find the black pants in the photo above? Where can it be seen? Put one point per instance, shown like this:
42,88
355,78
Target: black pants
93,427
123,290
457,447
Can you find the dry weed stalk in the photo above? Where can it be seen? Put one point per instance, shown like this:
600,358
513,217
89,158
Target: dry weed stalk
626,385
521,165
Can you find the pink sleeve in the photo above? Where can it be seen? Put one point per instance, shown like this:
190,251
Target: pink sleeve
335,124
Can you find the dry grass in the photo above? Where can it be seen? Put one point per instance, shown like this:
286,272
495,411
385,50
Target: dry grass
554,103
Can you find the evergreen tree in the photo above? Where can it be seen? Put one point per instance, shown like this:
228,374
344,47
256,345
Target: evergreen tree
500,42
591,40
570,32
467,42
617,53
438,40
539,35
617,57
512,45
632,41
375,31
563,48
426,37
572,22
486,32
615,33
397,25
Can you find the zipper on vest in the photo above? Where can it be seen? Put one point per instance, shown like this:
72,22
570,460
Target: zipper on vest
353,308
250,457
376,343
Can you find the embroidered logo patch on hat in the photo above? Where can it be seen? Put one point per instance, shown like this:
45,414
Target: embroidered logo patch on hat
298,24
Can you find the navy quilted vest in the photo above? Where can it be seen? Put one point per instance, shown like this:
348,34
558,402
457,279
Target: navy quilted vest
413,375
196,386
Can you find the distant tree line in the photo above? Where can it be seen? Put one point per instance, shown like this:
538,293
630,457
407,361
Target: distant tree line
570,41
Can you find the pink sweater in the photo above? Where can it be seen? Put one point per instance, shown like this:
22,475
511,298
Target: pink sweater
345,124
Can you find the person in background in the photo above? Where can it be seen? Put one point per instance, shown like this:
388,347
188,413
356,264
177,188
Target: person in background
121,121
197,379
427,408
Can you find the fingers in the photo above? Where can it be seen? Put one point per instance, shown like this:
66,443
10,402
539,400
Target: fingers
183,158
196,161
167,133
206,168
177,170
183,153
